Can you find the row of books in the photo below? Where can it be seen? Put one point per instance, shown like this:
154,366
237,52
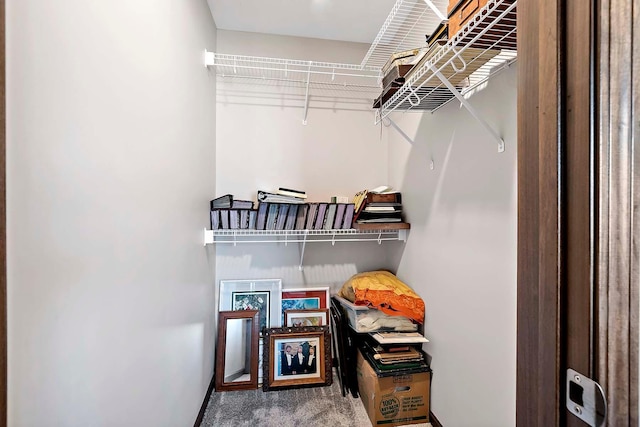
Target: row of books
282,195
285,216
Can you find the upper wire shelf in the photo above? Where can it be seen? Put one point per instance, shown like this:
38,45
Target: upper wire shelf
406,27
482,48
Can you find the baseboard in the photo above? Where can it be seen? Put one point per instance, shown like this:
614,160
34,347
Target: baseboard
203,408
434,421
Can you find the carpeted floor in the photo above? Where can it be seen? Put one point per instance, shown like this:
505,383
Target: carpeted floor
304,407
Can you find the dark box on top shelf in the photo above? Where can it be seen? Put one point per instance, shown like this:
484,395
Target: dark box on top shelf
393,400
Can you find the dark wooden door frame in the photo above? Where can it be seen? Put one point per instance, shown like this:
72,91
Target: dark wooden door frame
578,198
3,225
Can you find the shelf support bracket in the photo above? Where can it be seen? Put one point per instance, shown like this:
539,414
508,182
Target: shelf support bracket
435,10
469,107
397,128
304,243
306,95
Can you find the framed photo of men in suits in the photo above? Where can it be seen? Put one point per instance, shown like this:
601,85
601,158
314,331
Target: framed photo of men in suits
296,357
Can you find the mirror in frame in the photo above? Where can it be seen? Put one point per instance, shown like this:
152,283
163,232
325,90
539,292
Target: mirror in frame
237,350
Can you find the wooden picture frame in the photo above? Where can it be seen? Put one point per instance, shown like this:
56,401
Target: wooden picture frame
310,317
304,299
236,365
304,345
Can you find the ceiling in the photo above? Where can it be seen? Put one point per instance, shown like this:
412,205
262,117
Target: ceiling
344,20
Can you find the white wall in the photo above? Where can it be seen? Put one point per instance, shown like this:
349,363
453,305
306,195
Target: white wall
340,151
461,252
110,166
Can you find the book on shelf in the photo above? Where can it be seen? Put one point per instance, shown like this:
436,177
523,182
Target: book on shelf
261,219
272,216
292,215
222,202
367,218
311,215
339,218
301,216
224,218
234,219
283,210
241,204
215,219
264,196
253,215
244,218
320,216
292,193
348,216
372,207
399,337
331,216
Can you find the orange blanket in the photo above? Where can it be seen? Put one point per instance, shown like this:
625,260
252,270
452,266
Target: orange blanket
385,292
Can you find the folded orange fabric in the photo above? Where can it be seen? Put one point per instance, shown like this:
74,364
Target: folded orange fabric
384,291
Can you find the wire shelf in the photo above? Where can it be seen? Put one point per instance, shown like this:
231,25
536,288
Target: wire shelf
302,236
294,73
483,47
406,27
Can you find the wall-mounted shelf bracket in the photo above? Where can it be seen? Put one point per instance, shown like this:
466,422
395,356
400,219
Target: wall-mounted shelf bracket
304,244
468,106
435,10
209,58
306,96
397,128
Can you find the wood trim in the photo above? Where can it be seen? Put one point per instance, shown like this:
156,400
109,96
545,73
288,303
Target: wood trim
538,331
434,421
205,402
3,225
619,220
578,196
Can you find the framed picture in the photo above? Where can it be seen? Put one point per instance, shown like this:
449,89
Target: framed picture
304,299
262,295
296,357
312,317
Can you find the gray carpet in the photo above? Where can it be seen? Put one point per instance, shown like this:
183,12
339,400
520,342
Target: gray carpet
304,407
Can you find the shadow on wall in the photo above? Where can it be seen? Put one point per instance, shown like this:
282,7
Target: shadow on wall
468,170
323,264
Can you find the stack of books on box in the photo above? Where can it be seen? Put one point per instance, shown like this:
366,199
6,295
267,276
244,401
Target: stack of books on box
378,207
396,356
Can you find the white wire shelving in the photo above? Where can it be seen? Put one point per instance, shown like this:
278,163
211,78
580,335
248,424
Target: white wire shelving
406,27
235,237
483,47
302,237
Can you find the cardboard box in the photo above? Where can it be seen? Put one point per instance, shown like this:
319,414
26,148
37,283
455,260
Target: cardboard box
393,400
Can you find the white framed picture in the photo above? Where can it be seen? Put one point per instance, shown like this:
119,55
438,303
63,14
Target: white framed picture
263,295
